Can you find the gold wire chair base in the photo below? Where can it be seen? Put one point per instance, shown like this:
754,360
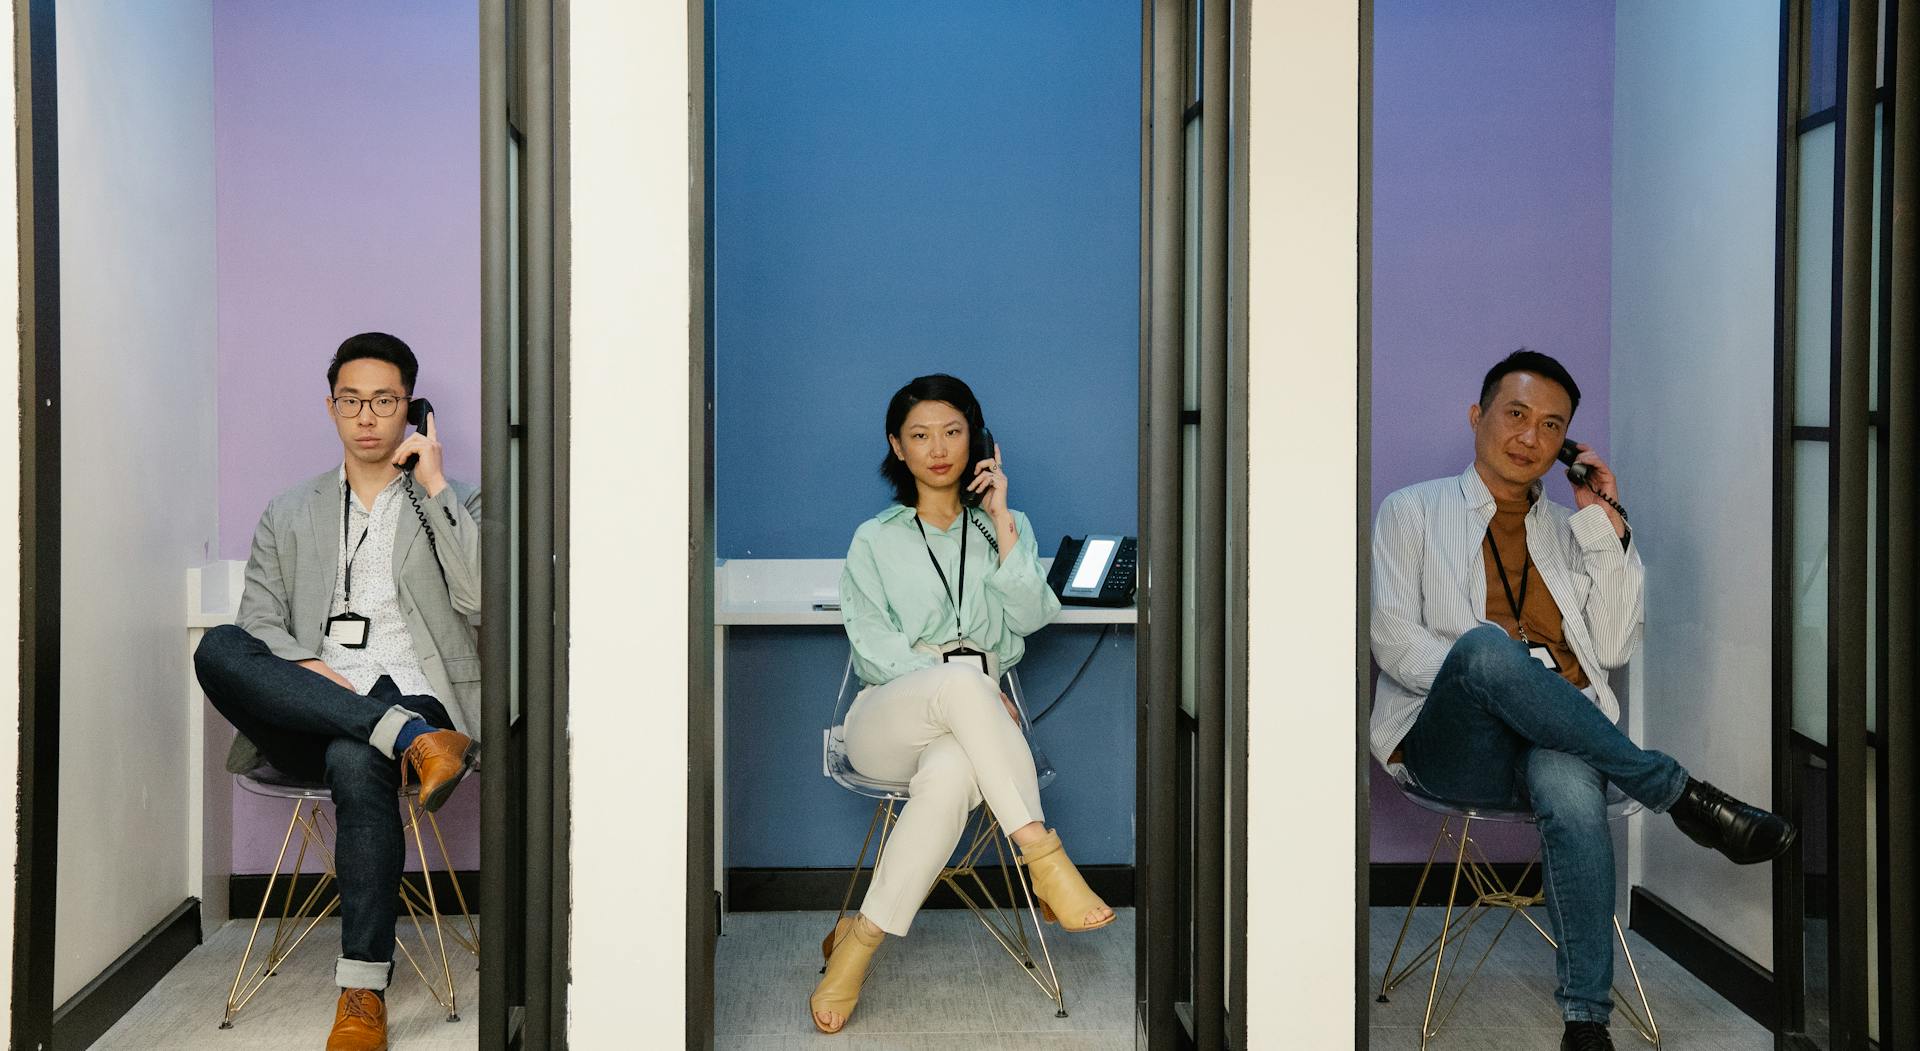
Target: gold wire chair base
1490,893
296,921
1003,922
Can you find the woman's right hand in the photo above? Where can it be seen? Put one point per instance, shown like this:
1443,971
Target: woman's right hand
1012,712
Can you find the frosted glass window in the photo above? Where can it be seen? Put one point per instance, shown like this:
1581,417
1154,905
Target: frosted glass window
1873,575
1190,566
1190,387
1822,89
1813,277
1873,281
1809,589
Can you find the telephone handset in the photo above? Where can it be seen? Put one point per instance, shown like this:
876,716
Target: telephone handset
979,447
1576,472
1098,570
417,410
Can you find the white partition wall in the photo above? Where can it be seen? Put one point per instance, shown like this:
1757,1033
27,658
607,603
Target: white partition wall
630,203
1303,482
1695,106
138,498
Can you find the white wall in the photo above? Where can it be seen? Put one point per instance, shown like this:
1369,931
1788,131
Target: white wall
138,456
9,531
1695,86
630,326
1303,276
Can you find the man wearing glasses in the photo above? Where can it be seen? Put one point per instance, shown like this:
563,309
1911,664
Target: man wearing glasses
352,660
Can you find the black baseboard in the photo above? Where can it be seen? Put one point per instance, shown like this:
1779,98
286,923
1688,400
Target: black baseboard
791,890
96,1007
245,891
1724,969
1392,883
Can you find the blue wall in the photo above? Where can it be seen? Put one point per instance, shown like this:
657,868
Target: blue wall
903,188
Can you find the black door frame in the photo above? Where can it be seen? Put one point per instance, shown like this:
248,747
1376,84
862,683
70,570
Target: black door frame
37,169
1850,748
526,868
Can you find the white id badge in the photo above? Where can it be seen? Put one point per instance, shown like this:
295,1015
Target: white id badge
965,655
1539,652
349,630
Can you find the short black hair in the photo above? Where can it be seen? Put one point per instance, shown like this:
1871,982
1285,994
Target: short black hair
380,347
937,387
1524,360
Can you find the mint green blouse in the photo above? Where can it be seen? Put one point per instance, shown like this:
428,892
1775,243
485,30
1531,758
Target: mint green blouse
891,597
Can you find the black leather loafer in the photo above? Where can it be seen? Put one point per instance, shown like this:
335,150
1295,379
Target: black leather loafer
1746,834
1586,1036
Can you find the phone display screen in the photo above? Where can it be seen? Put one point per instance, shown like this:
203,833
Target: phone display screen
1093,565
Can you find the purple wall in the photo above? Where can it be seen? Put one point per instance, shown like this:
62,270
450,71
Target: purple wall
1493,128
346,140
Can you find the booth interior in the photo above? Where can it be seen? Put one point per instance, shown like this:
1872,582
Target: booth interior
241,187
901,190
1584,181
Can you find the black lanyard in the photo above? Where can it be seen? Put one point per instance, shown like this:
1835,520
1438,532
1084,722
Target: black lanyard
1525,564
346,502
960,630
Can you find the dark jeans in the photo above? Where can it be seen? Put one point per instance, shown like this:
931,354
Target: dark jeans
316,730
1500,729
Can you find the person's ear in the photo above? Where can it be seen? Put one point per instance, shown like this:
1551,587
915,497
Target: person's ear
1473,416
894,443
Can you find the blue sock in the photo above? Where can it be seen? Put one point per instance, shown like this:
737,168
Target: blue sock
414,728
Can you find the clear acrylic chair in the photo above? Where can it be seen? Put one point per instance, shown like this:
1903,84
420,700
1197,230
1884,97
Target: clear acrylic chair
301,910
1002,917
1490,893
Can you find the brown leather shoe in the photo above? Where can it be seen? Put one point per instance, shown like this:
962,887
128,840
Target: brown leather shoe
440,761
359,1023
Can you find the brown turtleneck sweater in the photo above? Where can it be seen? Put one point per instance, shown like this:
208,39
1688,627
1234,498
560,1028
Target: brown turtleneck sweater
1541,614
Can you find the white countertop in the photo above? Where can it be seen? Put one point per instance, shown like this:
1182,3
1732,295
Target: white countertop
790,591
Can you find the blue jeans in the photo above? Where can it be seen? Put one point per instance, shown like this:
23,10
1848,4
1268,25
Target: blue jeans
311,728
1500,729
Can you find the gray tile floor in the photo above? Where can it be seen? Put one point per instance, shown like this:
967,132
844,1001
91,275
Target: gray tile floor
1510,1007
294,1009
947,985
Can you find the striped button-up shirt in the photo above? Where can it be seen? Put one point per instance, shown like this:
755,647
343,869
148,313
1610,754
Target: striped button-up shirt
1430,588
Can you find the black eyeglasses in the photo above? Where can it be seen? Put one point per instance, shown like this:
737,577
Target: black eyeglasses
347,406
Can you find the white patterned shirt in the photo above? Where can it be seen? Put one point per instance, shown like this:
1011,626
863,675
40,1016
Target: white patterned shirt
389,649
1430,588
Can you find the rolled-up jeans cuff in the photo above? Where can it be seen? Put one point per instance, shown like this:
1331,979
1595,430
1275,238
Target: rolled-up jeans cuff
388,729
362,974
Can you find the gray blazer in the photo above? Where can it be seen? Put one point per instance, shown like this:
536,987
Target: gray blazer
296,558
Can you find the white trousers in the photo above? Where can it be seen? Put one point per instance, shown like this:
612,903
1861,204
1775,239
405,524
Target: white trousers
943,731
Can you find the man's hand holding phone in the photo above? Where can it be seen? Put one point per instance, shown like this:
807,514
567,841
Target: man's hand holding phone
424,444
1600,487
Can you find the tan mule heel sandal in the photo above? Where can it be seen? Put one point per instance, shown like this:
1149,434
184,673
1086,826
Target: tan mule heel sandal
849,957
1064,895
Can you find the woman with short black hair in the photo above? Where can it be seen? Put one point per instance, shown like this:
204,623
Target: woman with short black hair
939,593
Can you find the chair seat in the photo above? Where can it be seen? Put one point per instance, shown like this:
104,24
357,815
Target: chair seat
841,770
273,783
1619,805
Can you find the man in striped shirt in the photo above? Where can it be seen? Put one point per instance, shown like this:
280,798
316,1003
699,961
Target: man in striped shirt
1497,615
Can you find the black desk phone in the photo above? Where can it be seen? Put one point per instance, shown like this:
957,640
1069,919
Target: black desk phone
1097,570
